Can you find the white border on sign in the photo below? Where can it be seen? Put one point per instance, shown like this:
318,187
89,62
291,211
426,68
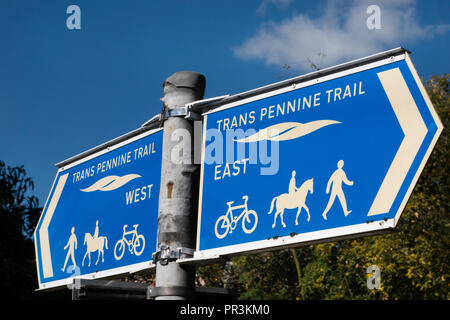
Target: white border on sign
108,149
132,268
427,154
100,274
200,194
300,239
308,83
35,231
328,234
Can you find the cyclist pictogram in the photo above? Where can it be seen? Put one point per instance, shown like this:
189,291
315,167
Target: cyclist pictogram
228,222
136,244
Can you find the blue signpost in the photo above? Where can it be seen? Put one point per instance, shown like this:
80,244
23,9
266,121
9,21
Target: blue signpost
101,215
332,157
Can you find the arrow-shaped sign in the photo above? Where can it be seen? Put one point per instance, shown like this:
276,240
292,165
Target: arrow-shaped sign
336,154
93,224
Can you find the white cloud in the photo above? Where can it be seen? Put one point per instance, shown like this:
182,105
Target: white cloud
340,32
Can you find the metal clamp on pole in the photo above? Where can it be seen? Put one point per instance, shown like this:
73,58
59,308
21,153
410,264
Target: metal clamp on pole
186,292
165,254
181,111
185,253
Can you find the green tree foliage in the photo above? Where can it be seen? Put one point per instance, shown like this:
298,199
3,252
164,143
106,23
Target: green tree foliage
19,214
414,261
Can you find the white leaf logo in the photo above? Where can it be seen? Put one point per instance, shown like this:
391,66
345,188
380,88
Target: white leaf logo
287,131
111,183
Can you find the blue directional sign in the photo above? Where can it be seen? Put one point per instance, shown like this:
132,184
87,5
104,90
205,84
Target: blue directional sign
330,157
101,216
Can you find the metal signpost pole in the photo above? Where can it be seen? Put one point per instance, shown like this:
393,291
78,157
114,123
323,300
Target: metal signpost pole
179,188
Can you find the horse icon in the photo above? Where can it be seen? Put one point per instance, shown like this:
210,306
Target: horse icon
94,243
294,200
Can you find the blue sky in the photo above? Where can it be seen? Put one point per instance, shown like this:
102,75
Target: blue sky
64,91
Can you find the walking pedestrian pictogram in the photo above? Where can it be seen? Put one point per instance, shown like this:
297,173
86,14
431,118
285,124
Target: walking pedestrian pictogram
335,182
72,245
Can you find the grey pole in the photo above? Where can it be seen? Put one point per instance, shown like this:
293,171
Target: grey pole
179,187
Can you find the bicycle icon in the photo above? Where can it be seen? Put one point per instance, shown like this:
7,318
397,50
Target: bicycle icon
136,245
228,222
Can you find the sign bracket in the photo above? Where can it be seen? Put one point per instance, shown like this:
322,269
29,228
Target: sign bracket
165,254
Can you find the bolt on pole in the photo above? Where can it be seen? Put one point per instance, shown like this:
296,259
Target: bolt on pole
179,186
